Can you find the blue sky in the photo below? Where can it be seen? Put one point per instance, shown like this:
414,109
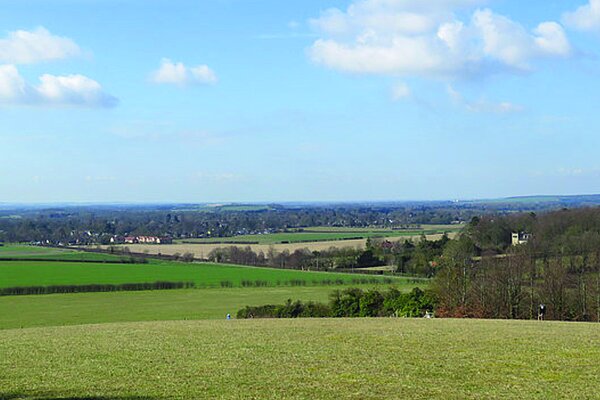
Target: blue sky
269,100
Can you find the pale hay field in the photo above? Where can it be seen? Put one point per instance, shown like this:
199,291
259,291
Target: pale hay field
201,250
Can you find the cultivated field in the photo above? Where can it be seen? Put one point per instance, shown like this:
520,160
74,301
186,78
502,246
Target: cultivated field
303,359
201,250
326,234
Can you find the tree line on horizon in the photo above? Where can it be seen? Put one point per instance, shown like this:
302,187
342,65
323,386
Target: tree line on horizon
96,225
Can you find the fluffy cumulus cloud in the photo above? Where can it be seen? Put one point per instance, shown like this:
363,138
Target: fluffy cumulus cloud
180,74
28,47
69,90
426,38
584,18
37,46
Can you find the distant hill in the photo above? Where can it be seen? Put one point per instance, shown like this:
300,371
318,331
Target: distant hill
544,201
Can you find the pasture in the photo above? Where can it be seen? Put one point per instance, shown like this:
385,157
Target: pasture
187,304
302,359
203,275
21,251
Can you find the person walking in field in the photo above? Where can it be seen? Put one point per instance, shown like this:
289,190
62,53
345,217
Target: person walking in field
541,312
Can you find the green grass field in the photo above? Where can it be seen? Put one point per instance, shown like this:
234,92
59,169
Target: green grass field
303,359
189,304
420,228
41,253
206,275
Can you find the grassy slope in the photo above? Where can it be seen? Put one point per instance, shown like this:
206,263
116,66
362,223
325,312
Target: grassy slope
304,359
34,273
29,252
87,308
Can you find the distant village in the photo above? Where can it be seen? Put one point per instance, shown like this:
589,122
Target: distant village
141,240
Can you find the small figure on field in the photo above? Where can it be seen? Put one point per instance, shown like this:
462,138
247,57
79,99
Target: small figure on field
541,312
228,316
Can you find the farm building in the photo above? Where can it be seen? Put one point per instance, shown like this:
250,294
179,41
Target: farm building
143,240
520,238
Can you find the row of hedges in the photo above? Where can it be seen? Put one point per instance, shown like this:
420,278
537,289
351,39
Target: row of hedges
302,282
350,303
82,261
32,290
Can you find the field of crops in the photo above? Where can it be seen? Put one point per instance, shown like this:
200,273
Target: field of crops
322,234
303,359
201,250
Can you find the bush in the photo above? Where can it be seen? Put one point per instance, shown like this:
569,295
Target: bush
290,309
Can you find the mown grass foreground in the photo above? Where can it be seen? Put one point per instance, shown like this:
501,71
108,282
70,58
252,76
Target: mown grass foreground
303,359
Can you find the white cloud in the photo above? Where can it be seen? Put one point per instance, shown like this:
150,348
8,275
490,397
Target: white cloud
425,38
483,105
28,47
400,91
68,90
584,18
179,74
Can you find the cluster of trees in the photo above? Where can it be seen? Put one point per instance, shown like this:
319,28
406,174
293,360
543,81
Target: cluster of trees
350,303
325,260
482,275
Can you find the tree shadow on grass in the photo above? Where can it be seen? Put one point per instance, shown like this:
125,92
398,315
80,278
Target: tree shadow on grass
23,396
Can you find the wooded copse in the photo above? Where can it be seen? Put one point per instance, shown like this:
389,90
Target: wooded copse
482,275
